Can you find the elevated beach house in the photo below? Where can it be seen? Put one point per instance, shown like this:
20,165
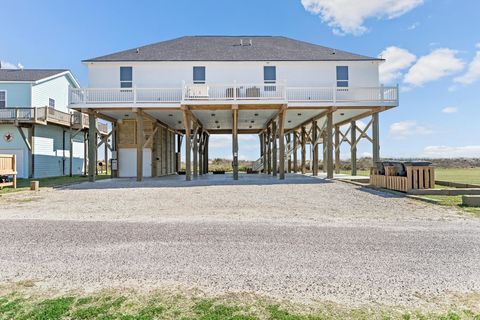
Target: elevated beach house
292,94
36,124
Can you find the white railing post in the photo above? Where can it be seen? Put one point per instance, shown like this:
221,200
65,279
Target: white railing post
134,95
334,96
382,93
234,90
285,89
183,90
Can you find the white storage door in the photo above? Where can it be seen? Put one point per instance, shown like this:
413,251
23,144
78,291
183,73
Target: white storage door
22,170
127,161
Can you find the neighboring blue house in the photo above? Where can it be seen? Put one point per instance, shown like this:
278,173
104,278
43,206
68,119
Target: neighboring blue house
36,125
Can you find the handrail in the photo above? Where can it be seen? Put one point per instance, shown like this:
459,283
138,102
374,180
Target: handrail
234,92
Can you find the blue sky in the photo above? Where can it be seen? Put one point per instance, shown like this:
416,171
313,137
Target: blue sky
433,51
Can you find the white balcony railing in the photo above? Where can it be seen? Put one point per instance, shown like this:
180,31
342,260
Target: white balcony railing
197,93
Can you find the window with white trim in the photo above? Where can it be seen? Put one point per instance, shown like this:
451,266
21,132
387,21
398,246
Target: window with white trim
3,99
342,76
270,76
126,77
199,75
51,103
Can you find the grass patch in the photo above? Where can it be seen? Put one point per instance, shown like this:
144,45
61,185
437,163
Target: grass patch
154,306
52,182
365,173
461,175
454,201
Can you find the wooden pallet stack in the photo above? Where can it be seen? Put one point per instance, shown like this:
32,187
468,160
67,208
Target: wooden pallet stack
418,177
8,167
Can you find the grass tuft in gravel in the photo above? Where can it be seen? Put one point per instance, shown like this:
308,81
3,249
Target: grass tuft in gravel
155,306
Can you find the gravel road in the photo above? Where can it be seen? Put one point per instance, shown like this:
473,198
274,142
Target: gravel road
303,239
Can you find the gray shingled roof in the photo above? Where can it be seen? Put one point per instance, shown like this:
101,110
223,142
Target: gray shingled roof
228,48
28,74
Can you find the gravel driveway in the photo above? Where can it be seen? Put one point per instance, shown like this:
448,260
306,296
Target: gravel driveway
304,239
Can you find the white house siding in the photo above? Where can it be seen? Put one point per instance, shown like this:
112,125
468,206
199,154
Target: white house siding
78,154
16,146
127,160
56,89
171,74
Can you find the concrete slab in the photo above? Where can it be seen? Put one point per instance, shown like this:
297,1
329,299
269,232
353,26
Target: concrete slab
471,201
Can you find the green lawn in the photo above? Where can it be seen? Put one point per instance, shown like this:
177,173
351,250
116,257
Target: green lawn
464,175
460,175
155,306
359,172
24,184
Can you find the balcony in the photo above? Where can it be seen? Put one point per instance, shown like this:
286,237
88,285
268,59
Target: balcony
44,115
236,94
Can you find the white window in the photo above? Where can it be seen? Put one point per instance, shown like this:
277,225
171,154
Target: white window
199,75
51,103
126,77
3,99
342,76
269,74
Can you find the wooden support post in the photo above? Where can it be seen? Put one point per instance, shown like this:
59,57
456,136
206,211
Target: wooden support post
115,168
304,150
105,157
207,138
353,147
200,152
154,149
329,144
269,150
260,137
188,145
195,151
295,151
314,160
140,143
85,153
289,160
235,142
281,139
324,152
92,146
337,149
179,152
274,148
375,138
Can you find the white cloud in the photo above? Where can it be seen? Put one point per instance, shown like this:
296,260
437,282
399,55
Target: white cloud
348,16
414,26
450,110
396,60
438,64
7,65
220,141
452,152
366,154
473,71
407,128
